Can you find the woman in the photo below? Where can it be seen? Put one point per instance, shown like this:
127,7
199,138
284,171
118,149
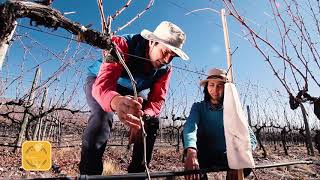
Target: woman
204,140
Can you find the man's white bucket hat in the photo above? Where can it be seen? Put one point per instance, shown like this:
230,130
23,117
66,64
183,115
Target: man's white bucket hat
168,34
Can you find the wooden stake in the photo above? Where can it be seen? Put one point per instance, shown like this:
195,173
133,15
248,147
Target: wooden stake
36,134
239,173
249,115
307,128
227,44
25,119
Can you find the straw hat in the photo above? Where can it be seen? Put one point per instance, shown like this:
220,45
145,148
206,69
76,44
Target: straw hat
168,34
215,74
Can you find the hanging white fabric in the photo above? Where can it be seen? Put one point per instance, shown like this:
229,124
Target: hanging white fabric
239,152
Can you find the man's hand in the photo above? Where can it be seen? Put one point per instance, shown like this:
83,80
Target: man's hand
128,110
191,163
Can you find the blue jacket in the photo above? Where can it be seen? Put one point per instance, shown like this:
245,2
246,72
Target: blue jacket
204,129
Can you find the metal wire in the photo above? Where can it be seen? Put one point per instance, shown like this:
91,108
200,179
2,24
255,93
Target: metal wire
177,67
142,58
146,59
50,33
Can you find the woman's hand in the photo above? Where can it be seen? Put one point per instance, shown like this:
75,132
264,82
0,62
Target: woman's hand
191,163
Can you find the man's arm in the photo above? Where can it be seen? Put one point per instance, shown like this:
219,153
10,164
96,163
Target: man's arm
158,94
104,90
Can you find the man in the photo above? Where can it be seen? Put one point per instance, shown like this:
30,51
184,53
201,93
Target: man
204,139
148,56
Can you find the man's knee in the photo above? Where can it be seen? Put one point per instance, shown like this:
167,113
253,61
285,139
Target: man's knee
98,130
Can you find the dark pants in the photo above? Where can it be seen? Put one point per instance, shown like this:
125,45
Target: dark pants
97,133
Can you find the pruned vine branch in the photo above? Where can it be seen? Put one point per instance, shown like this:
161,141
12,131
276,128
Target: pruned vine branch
150,4
296,48
41,15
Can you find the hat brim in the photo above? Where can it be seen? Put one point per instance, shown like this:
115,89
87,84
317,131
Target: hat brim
204,81
151,37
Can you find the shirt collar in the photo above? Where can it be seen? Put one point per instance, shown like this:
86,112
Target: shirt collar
214,108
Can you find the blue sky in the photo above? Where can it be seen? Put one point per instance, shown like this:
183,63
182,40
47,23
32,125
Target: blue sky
204,44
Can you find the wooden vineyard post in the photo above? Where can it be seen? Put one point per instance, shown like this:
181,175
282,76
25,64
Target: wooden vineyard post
37,131
239,175
308,133
25,119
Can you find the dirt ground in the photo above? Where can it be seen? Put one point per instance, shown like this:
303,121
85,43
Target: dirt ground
166,158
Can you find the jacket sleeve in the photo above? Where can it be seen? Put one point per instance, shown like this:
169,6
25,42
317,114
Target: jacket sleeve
157,94
190,127
104,88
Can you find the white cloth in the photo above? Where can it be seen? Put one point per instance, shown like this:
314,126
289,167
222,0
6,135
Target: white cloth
236,131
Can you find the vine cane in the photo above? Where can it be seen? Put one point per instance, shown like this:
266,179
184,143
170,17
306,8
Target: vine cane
144,134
